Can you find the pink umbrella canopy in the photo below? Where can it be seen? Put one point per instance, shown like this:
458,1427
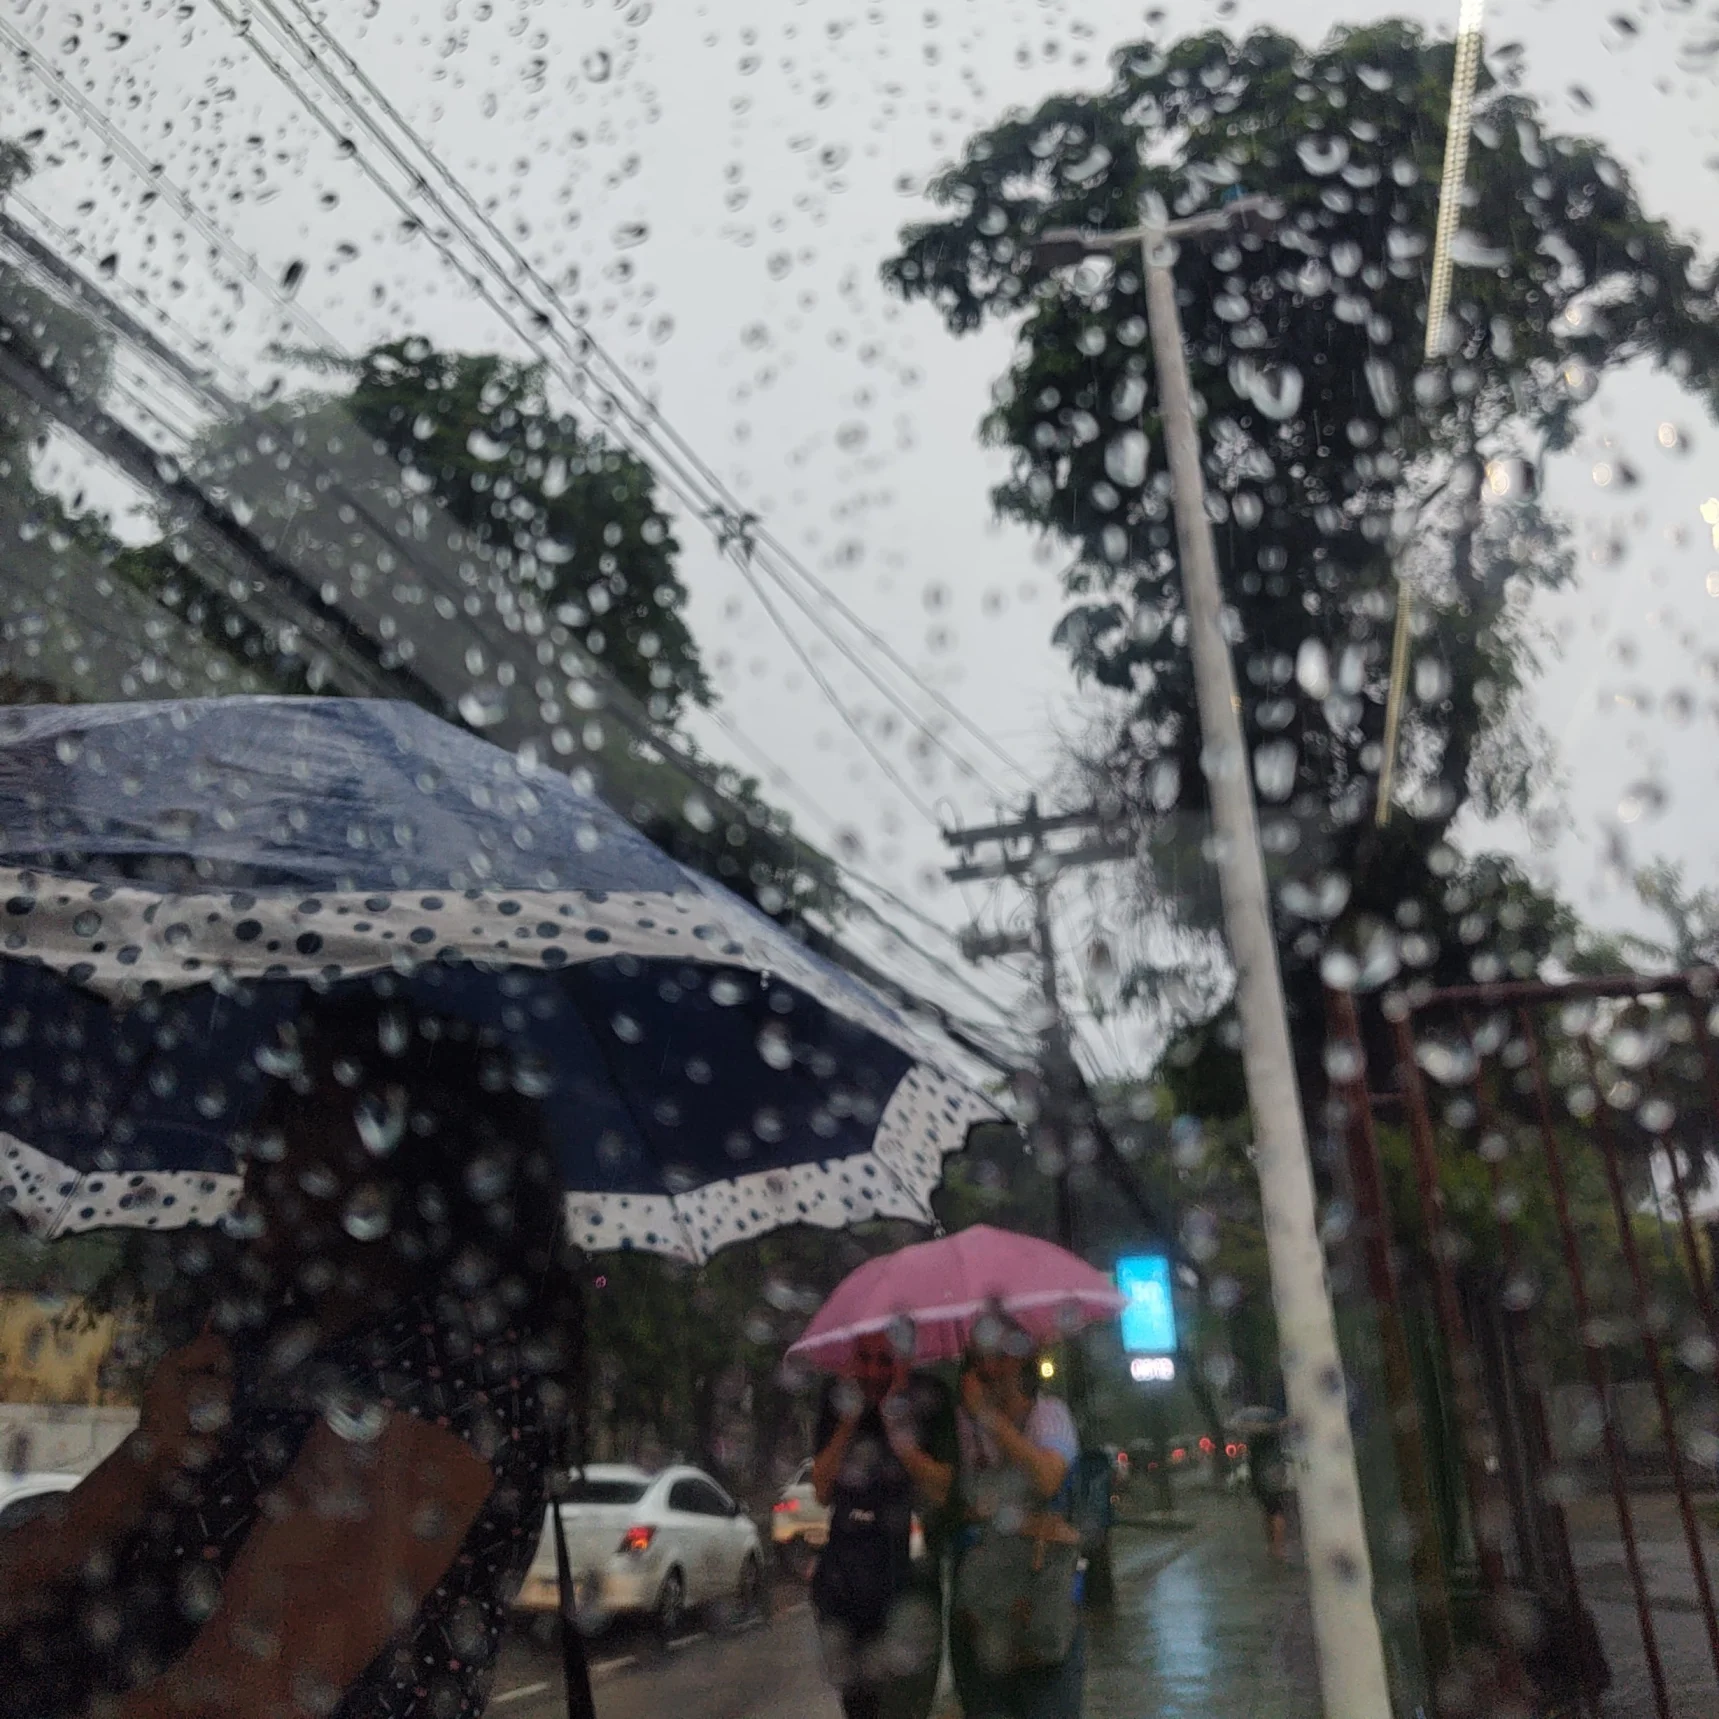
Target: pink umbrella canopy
943,1286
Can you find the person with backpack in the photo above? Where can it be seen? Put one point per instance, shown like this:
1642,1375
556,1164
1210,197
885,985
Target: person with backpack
1016,1644
886,1450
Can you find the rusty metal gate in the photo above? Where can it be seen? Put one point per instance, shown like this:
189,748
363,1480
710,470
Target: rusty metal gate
1526,1164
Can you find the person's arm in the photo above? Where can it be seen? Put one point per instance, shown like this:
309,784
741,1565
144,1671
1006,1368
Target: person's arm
1044,1468
827,1464
185,1399
931,1477
341,1556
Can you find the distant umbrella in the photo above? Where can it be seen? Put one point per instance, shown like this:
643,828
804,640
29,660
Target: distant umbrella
942,1289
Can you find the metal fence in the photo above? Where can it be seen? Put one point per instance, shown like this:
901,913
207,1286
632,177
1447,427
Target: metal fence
1524,1164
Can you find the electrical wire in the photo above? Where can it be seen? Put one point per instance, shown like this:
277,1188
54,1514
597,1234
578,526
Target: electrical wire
740,534
719,518
734,508
164,187
248,269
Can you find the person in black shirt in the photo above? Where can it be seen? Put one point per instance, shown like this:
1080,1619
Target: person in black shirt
886,1448
389,1342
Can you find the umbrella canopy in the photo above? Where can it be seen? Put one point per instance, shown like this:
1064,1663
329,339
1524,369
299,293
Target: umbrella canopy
178,879
944,1286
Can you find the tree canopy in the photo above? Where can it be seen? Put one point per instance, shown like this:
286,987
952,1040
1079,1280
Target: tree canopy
1335,457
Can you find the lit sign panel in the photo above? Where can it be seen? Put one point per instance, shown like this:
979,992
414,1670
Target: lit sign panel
1149,1318
1152,1369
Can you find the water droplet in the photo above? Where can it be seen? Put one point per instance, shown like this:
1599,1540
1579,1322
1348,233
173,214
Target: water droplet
368,1213
380,1120
775,1047
483,707
1323,155
1125,459
1274,388
1274,769
1313,669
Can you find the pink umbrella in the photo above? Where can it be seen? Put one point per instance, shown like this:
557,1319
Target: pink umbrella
944,1285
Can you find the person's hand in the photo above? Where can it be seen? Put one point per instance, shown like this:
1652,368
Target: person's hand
897,1412
975,1399
849,1402
187,1401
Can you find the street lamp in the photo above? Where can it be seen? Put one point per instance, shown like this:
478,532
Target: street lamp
1351,1653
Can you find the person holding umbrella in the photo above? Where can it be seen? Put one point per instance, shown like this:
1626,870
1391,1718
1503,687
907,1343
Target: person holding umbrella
886,1448
335,1488
405,1012
992,1297
1015,1641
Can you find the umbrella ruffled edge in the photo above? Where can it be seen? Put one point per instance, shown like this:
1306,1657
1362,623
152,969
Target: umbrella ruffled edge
927,1118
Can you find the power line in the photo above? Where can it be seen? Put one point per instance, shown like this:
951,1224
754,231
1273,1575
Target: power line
624,380
732,527
164,187
739,533
200,387
54,271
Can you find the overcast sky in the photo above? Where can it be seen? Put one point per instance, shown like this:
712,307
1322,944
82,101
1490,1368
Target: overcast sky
717,184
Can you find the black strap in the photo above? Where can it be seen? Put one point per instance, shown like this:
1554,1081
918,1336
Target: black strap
575,1671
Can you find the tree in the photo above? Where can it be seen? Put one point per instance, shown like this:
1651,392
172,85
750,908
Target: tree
1691,917
550,507
76,621
1335,458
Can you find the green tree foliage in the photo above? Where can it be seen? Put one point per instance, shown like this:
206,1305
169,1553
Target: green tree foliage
550,505
1334,457
1690,916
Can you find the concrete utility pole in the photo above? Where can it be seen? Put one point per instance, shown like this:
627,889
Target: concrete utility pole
1351,1649
1024,855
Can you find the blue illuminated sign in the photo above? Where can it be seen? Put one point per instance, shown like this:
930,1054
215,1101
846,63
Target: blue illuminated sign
1149,1319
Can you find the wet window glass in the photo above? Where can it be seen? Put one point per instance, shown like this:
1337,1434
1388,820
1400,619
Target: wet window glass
858,859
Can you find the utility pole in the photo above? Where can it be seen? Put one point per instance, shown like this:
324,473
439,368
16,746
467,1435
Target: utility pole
1024,853
1340,1577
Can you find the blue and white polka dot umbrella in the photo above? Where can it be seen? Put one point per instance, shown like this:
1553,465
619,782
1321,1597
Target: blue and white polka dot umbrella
176,878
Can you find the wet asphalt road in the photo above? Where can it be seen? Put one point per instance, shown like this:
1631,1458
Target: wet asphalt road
766,1669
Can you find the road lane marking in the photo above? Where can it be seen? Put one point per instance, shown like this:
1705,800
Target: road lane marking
687,1640
520,1693
614,1664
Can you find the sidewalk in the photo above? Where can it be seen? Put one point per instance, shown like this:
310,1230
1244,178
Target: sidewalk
1206,1626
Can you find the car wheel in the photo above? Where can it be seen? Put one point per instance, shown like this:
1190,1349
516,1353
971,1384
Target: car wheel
749,1594
671,1604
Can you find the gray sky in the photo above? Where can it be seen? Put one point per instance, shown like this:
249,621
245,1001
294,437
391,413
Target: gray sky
725,179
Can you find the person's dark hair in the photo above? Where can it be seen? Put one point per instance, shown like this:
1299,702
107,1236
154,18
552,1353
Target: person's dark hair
464,1192
996,1331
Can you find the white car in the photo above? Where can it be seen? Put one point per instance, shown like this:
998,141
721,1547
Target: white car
658,1544
799,1524
24,1495
797,1514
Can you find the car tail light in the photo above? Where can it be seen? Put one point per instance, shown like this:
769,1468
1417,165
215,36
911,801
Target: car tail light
790,1505
637,1539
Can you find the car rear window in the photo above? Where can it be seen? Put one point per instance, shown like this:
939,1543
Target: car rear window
604,1491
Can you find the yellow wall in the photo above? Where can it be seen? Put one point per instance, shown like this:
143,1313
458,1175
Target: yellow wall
52,1350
